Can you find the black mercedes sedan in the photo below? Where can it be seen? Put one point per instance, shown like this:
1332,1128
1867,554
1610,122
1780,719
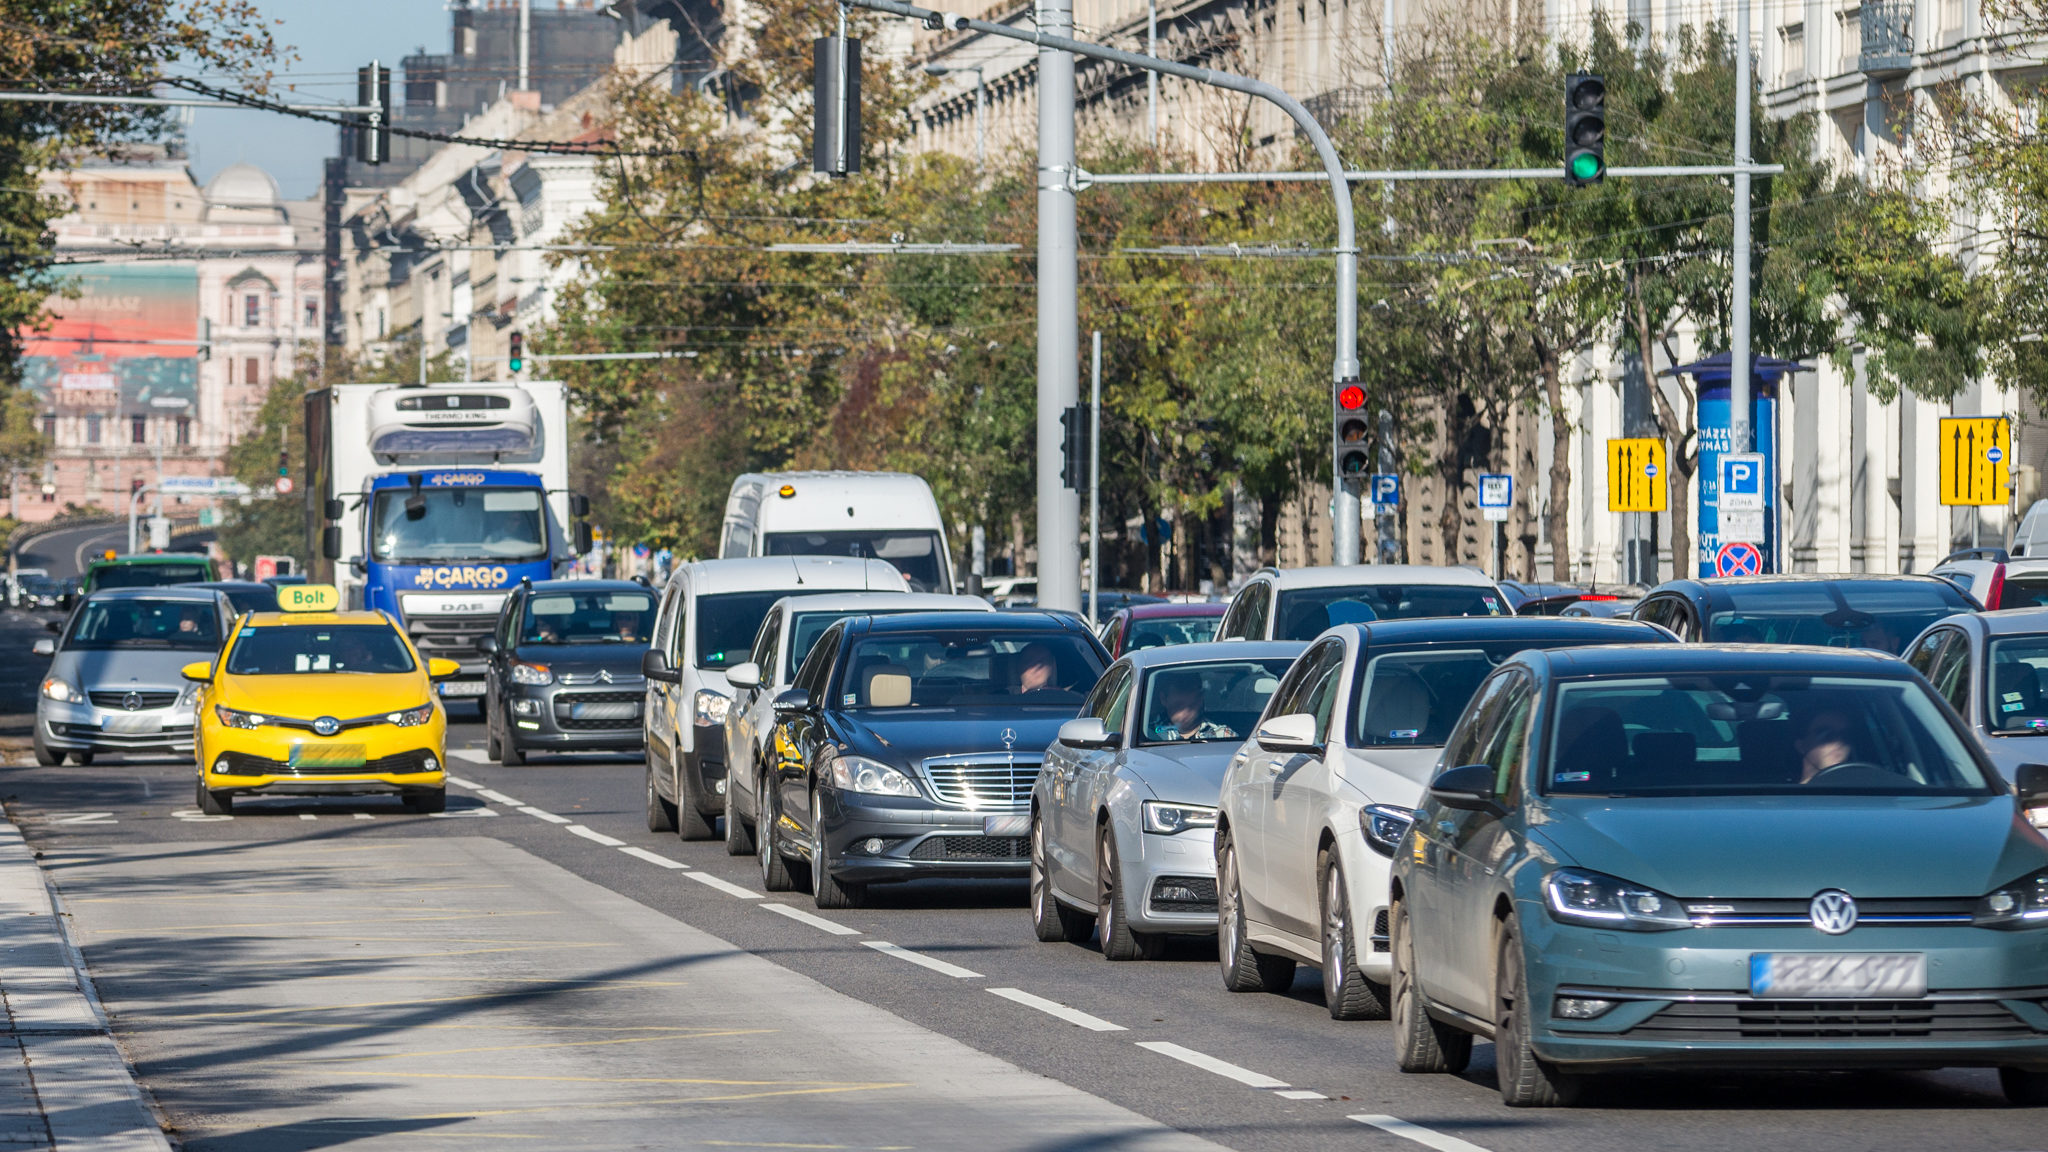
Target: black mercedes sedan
907,747
564,673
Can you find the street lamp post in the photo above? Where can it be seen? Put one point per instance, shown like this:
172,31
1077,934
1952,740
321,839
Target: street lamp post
980,106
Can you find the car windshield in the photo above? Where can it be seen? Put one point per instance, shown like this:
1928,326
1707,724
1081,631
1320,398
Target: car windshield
806,627
104,624
504,525
913,553
1885,616
1208,701
283,650
1166,631
1751,733
2014,701
2026,590
600,617
1306,612
728,623
149,575
1410,696
957,669
253,599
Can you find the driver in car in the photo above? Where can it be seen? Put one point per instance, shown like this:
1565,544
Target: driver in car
1181,703
1824,744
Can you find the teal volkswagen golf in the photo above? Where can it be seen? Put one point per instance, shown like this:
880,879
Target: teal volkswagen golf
1719,857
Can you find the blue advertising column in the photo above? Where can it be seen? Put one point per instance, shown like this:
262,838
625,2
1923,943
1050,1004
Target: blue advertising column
1711,377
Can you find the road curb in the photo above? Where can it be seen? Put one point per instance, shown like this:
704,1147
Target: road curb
58,1055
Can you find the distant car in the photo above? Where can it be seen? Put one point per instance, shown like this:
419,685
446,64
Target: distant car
1992,668
245,595
14,583
1123,815
564,668
114,682
1534,599
149,570
1600,607
1299,603
43,591
281,581
1995,580
1708,857
1860,611
1157,625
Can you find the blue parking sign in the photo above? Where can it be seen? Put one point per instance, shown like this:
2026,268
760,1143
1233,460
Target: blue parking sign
1384,489
1742,481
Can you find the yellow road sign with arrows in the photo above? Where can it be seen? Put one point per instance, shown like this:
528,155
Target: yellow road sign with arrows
1635,475
1976,460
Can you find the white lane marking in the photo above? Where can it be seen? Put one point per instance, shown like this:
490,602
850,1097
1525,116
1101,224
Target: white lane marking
307,816
364,816
550,817
730,889
465,814
195,816
1299,1094
1052,1008
923,961
473,755
500,797
598,837
652,857
803,917
83,818
1208,1063
1416,1132
460,782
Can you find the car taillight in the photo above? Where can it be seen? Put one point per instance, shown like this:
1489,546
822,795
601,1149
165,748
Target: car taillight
1991,598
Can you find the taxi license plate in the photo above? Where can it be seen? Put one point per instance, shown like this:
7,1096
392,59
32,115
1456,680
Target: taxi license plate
326,756
1805,975
462,688
131,725
1017,824
605,710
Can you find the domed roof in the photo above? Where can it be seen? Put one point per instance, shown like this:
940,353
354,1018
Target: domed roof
243,185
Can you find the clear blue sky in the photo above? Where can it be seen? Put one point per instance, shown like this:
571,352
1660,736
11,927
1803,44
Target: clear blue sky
332,39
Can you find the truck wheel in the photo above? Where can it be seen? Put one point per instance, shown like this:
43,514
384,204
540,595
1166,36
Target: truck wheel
215,803
47,756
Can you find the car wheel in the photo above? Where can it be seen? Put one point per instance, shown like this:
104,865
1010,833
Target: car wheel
827,890
1244,970
1119,942
1422,1043
1346,990
47,756
1525,1080
691,822
1051,921
775,874
739,837
493,747
510,754
81,758
2027,1087
427,801
661,813
215,803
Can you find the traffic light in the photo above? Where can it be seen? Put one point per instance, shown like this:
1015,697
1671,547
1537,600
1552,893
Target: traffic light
517,361
284,462
373,130
1073,450
1585,129
1350,432
835,106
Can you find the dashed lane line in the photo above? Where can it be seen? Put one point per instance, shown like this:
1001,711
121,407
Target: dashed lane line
803,917
640,853
1299,1094
1428,1137
730,889
364,816
459,781
500,798
596,837
307,816
550,817
1208,1063
1053,1008
473,755
923,961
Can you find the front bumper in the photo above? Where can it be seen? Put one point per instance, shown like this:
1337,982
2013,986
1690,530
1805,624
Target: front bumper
285,761
919,839
1169,881
547,717
706,764
1682,999
89,728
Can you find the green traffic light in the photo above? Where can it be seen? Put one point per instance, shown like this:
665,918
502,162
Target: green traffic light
1585,166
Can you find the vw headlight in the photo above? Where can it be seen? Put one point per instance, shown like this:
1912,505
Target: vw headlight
62,692
1577,896
1384,825
2020,904
523,673
709,707
412,717
234,719
860,774
1168,819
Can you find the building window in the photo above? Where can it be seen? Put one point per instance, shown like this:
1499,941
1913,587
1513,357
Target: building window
184,431
312,312
138,429
92,428
1794,38
135,484
252,310
49,426
252,371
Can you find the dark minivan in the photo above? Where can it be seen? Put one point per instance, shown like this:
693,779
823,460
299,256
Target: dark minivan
564,672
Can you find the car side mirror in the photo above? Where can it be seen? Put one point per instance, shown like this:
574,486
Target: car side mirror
488,645
747,675
654,666
793,701
1295,733
441,668
45,647
2032,784
198,673
1468,787
1088,732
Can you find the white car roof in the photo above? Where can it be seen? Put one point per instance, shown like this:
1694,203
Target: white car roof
790,573
884,601
1342,575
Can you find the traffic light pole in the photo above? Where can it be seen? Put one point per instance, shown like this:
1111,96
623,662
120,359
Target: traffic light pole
1739,404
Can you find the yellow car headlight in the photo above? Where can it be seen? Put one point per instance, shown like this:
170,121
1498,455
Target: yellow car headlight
234,719
412,717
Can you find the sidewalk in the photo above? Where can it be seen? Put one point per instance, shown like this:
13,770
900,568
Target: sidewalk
63,1081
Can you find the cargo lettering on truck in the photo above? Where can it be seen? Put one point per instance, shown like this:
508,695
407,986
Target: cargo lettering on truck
463,576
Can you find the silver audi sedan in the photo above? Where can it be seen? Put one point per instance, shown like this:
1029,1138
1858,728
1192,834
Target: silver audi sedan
1123,816
113,682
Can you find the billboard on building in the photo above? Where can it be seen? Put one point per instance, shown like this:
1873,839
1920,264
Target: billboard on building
123,344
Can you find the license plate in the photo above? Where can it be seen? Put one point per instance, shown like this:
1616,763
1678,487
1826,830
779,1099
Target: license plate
132,725
1799,975
1016,824
462,688
326,756
626,710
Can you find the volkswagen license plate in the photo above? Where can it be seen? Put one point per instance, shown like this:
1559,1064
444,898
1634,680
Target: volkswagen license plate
1802,975
1016,824
462,687
326,756
605,710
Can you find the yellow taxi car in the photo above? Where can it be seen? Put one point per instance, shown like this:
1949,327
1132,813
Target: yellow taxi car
312,701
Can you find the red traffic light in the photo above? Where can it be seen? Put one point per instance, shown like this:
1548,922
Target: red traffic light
1351,397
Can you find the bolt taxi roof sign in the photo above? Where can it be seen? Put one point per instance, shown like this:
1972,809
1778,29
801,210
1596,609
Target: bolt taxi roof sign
308,598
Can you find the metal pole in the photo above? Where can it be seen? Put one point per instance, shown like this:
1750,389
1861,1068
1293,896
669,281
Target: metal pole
839,157
1151,77
1095,485
1739,403
525,37
1059,320
981,119
1402,174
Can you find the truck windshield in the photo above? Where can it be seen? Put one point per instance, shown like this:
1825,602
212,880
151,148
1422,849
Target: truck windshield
498,524
916,554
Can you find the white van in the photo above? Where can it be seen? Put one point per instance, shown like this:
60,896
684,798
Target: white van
880,515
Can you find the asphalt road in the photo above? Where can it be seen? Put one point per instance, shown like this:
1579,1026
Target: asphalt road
558,847
65,552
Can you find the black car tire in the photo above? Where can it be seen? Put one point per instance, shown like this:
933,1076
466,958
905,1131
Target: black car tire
827,890
47,756
1244,970
1347,991
739,835
661,812
215,803
1112,925
1422,1043
81,758
1525,1080
427,801
1052,921
775,873
691,822
492,745
2026,1087
510,754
